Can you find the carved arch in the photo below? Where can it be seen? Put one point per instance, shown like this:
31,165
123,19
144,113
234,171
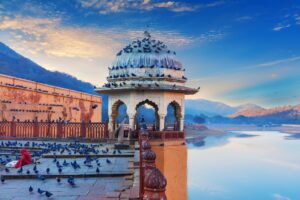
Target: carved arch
154,105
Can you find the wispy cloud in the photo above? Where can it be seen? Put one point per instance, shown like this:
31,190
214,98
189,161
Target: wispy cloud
113,6
277,196
279,27
273,63
244,18
48,36
287,22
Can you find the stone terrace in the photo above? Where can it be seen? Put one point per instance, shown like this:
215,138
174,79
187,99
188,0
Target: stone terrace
114,179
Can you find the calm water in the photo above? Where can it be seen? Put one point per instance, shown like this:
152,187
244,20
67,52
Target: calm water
245,166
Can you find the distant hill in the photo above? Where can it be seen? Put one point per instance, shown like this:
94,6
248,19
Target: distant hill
206,107
212,108
14,64
284,114
217,112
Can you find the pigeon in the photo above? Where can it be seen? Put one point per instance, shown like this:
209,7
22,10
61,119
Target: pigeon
20,170
48,194
41,177
119,151
59,170
2,180
65,163
48,170
30,189
71,181
28,172
40,191
58,180
114,152
89,165
97,170
6,170
108,161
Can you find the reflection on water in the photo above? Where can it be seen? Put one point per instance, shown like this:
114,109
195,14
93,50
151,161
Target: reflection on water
245,165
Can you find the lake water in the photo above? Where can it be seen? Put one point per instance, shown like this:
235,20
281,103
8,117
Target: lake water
256,165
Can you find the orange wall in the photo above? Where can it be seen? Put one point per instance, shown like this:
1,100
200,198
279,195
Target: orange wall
27,100
171,159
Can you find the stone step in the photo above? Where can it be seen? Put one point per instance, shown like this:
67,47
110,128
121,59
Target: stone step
85,155
53,176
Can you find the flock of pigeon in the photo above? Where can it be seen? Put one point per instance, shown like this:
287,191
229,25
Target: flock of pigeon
146,45
134,57
55,149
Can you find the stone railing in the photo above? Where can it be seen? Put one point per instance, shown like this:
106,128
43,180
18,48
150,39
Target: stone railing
93,131
152,182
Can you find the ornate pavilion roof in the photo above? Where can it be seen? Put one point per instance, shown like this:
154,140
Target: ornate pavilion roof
146,64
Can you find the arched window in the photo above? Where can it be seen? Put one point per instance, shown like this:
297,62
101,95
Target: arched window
172,119
147,115
119,114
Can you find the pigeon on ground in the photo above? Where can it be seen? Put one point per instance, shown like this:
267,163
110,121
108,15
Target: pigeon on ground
40,191
30,189
58,179
20,170
41,177
71,181
48,194
108,161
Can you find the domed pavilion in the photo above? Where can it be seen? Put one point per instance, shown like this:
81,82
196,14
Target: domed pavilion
146,72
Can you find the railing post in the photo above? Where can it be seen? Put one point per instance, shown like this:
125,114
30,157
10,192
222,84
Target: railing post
155,185
13,129
36,129
106,133
83,130
152,181
59,130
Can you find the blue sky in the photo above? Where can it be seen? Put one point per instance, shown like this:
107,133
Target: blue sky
238,51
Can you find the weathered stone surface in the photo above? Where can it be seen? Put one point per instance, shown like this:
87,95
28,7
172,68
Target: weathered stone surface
86,188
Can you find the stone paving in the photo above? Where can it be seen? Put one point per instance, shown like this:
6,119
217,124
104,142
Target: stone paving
112,181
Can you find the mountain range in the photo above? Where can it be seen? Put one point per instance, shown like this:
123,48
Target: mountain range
212,108
14,64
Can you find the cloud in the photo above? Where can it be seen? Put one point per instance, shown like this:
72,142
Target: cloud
287,22
48,36
244,18
280,197
274,62
280,27
114,6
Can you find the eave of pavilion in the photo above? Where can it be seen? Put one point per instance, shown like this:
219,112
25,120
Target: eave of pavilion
142,78
165,88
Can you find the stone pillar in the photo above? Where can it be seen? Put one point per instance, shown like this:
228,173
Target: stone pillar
162,122
111,124
131,121
181,124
